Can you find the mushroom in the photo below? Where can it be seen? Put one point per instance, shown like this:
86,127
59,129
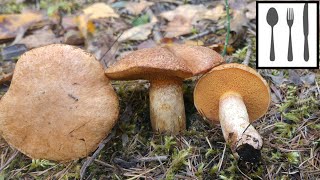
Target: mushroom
234,95
60,104
165,67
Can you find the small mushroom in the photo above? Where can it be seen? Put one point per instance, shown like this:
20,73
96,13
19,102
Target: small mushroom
60,104
166,67
234,95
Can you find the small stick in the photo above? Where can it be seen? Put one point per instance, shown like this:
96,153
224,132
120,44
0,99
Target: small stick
150,159
113,43
221,160
89,160
249,51
228,29
206,32
243,173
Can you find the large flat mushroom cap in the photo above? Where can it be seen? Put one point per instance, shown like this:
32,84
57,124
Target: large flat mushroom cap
180,61
60,104
236,78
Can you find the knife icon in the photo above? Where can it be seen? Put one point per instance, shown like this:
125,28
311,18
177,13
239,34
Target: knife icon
306,31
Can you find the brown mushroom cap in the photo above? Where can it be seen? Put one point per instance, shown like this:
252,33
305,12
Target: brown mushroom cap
236,78
60,104
180,61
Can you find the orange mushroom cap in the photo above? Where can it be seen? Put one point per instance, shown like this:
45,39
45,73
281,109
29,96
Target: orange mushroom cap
182,61
236,78
60,104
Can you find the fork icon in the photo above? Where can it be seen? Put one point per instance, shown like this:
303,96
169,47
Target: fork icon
290,18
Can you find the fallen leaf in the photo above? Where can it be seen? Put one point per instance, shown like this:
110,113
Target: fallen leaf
99,10
251,13
73,37
178,26
309,78
219,48
11,23
277,79
277,93
137,7
138,33
294,77
238,27
95,11
237,4
194,12
39,38
144,19
181,19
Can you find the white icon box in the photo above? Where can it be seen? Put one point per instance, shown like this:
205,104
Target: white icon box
281,35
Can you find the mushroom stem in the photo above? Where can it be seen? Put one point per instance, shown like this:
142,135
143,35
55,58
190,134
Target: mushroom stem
244,140
167,111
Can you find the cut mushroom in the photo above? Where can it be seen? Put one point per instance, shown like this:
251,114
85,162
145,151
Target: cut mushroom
166,67
60,104
234,95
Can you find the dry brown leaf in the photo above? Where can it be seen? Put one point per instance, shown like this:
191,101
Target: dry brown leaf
178,26
238,27
137,7
138,33
95,11
11,23
219,48
40,38
251,14
182,18
194,12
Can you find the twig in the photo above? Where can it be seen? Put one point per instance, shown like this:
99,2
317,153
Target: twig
21,32
89,160
150,159
221,160
249,51
139,175
206,32
208,142
228,29
113,43
9,160
103,163
243,173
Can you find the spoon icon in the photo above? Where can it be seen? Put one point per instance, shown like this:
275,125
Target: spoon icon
272,19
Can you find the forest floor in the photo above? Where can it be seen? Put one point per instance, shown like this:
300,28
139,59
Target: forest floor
290,129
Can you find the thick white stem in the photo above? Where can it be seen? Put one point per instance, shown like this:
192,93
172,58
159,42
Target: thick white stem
167,111
235,124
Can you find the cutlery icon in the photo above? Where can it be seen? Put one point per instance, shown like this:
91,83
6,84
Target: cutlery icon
272,19
290,18
306,32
